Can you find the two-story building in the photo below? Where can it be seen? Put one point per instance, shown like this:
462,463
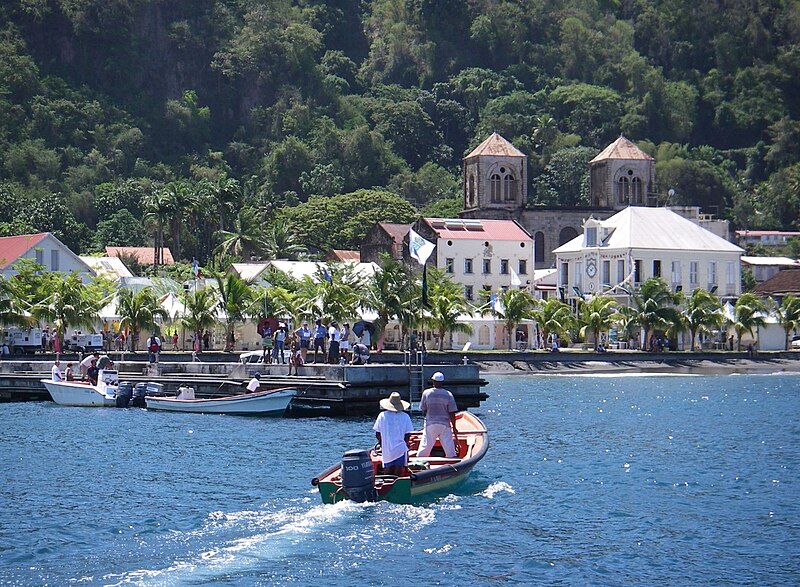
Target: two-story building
481,254
615,256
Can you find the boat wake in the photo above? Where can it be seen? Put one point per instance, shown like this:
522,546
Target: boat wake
495,488
258,543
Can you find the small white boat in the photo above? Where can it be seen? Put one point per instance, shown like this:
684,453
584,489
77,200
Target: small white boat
80,393
261,403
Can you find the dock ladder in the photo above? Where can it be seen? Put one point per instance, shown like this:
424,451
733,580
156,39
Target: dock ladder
416,375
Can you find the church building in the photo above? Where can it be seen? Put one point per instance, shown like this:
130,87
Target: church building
496,186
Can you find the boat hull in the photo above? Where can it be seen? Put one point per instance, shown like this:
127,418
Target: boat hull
266,403
68,393
427,476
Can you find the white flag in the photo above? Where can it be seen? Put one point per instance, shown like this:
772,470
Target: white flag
515,280
418,247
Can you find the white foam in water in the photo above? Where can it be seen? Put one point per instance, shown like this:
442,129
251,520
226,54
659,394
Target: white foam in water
275,533
496,488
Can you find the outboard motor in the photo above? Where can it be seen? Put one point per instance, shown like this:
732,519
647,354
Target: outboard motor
358,478
139,391
124,394
155,388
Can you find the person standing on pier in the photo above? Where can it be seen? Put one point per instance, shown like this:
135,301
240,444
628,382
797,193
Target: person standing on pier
304,334
439,407
55,371
333,344
320,334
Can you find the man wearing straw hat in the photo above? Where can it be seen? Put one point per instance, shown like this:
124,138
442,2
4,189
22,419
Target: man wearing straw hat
392,429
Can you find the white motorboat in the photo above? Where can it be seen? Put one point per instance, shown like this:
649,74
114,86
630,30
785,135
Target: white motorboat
80,393
261,403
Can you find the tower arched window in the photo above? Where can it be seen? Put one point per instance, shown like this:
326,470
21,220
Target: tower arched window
636,191
509,188
471,192
538,247
494,188
623,190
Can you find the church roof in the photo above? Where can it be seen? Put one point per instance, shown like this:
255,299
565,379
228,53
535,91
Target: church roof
624,149
496,146
637,227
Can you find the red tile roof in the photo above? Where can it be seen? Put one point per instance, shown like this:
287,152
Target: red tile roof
623,149
144,255
497,230
496,146
13,247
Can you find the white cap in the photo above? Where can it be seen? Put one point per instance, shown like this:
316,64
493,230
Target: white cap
438,376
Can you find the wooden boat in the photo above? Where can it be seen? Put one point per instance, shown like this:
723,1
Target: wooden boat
424,475
261,403
83,393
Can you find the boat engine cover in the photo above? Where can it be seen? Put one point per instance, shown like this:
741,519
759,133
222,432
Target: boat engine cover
124,394
358,478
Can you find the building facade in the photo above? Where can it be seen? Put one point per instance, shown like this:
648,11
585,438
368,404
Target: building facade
615,256
489,255
45,249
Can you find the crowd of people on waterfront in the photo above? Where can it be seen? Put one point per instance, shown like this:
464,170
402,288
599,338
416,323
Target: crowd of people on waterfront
321,343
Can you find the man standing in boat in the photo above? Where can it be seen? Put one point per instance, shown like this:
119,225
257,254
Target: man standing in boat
392,429
439,407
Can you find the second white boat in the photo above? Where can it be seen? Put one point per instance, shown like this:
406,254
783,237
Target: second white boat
261,403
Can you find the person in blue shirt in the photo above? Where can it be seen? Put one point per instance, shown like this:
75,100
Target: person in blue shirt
320,335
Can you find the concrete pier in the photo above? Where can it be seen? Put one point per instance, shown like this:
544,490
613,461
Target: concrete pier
329,390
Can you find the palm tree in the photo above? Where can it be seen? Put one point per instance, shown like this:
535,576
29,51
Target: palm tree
747,315
280,243
183,201
200,312
386,293
67,304
703,313
447,304
245,239
275,301
11,307
789,316
158,209
515,305
545,131
235,295
655,307
332,294
554,317
138,312
598,315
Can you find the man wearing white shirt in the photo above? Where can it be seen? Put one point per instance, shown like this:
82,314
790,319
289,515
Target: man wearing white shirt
55,372
255,383
333,346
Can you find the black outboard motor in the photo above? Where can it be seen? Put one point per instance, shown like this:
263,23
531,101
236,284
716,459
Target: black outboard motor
358,478
124,394
139,391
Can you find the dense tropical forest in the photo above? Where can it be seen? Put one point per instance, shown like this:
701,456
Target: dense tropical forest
274,127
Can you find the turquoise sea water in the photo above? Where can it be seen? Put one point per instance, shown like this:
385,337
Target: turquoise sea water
588,481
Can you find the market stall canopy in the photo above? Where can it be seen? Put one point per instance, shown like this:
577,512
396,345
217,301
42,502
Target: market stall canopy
173,306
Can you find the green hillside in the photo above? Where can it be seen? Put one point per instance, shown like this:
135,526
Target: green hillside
240,121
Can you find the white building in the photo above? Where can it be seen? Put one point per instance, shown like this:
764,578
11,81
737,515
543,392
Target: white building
481,254
46,250
765,267
639,243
